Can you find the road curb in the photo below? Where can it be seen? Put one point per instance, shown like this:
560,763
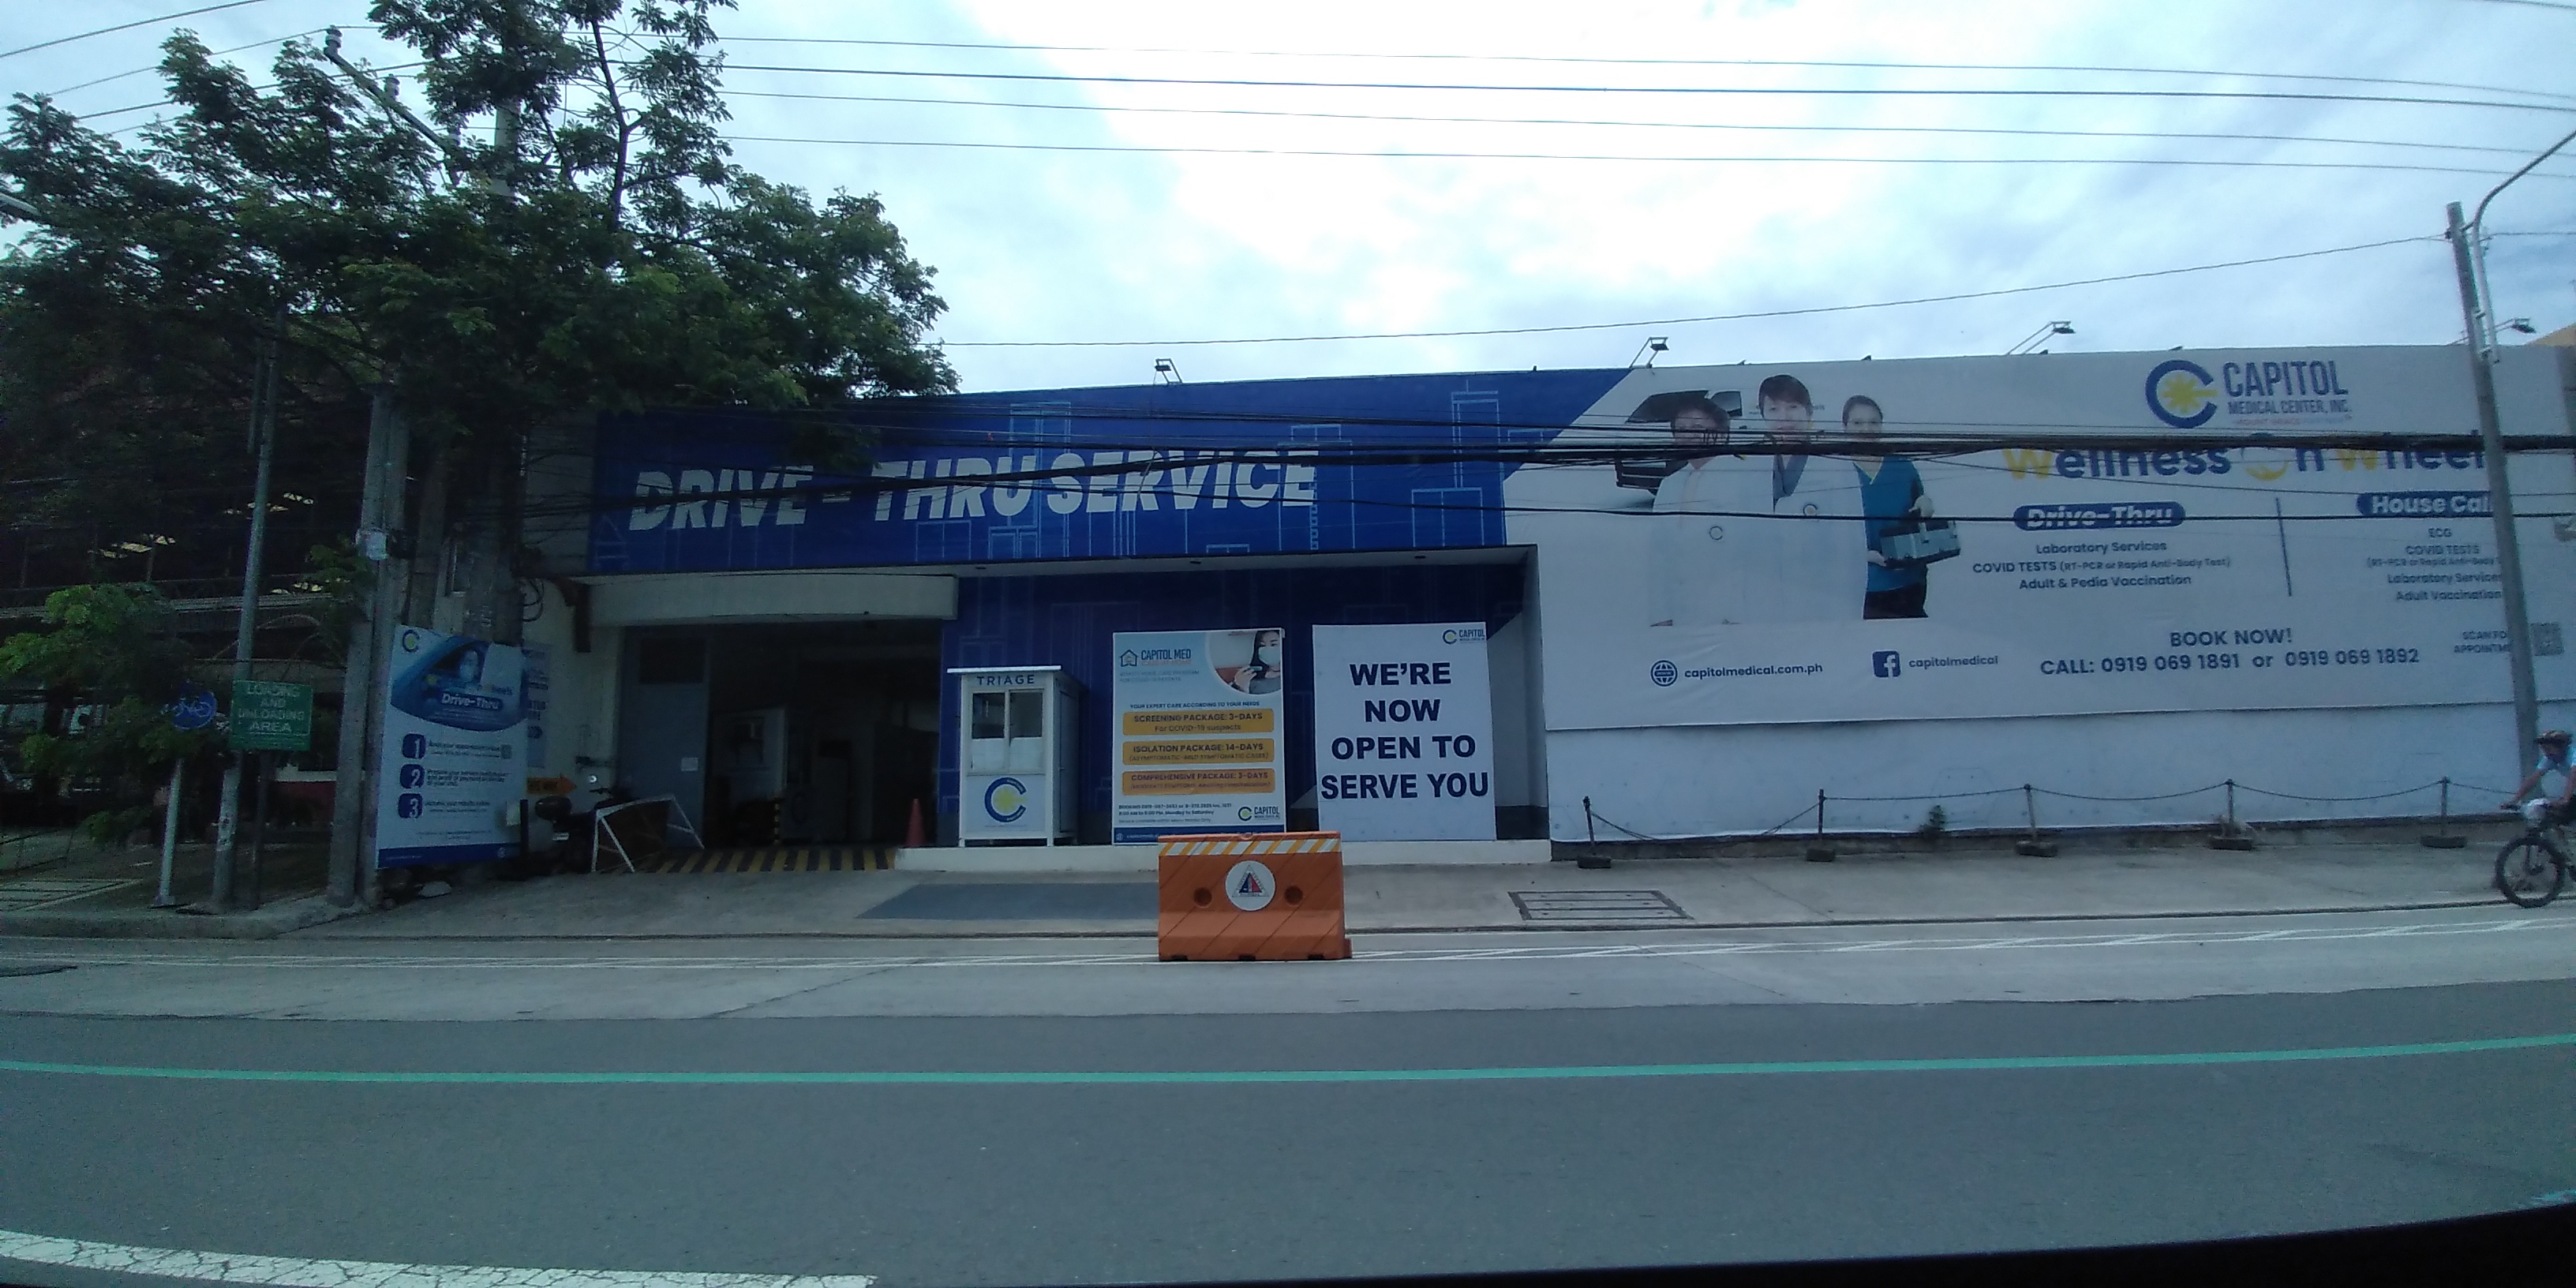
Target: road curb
1944,921
1018,932
282,917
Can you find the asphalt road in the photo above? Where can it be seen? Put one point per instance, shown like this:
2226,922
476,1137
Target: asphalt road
1965,1125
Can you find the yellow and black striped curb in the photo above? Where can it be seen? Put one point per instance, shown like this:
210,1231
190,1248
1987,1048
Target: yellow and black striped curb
775,858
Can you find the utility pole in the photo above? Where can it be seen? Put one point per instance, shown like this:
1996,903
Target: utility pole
2499,496
353,801
2468,260
2517,620
263,424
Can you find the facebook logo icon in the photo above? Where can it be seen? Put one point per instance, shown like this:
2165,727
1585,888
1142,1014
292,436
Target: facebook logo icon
1885,664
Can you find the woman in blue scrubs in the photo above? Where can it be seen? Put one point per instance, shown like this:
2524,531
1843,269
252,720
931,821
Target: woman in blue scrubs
1892,499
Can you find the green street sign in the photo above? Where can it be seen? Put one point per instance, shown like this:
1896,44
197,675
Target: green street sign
272,716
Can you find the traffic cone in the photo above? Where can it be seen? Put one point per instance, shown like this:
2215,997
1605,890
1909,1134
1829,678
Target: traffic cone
912,835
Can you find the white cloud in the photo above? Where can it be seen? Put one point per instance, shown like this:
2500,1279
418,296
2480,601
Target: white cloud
1074,245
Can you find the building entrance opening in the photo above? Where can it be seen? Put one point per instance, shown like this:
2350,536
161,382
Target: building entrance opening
822,733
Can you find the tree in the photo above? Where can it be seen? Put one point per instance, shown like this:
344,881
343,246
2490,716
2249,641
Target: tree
109,647
594,249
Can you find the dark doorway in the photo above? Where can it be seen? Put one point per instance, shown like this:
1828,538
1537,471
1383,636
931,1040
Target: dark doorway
820,732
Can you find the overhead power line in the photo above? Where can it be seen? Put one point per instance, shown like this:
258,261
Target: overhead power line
1790,91
1836,65
1715,317
146,107
125,26
2218,136
140,71
2223,163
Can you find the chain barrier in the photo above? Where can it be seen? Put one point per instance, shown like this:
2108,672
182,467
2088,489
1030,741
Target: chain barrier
1817,810
2340,800
2167,796
1942,796
1596,816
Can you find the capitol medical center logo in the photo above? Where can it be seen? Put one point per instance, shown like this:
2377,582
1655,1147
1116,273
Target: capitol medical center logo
2253,391
2182,394
1006,800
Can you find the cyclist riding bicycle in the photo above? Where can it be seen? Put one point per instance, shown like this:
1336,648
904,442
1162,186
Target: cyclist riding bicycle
2553,761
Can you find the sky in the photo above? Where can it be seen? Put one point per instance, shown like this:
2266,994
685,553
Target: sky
1120,210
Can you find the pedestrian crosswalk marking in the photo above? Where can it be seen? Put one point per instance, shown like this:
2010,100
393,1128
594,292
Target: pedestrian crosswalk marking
44,892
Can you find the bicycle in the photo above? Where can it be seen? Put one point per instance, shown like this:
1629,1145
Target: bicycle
2531,869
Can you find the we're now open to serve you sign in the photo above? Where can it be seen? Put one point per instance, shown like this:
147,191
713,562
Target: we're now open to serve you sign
1404,732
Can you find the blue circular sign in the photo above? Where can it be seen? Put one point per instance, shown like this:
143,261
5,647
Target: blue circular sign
195,708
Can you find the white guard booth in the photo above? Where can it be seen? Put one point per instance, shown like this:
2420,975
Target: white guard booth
1016,770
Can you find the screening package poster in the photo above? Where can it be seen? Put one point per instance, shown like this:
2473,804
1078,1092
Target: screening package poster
1404,732
2139,548
455,754
1196,732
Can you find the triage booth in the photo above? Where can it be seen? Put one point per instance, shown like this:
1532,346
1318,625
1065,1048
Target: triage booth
1016,779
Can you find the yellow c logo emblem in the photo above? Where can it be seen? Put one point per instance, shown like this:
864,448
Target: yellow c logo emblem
2269,466
2184,393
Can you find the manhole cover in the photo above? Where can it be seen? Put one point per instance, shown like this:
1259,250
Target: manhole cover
40,892
1598,905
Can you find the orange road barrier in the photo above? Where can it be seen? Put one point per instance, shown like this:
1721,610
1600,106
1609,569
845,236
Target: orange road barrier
1261,896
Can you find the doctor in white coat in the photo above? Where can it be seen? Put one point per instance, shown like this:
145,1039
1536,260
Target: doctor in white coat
1754,540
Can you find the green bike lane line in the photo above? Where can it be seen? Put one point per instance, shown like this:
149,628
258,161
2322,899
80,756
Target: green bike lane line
1045,1077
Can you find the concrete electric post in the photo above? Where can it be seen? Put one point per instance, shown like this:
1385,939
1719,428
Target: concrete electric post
2517,621
263,421
2474,310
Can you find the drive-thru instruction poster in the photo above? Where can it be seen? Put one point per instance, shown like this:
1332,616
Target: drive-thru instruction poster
454,757
1404,733
1197,732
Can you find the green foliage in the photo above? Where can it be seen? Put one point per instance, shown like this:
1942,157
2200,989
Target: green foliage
335,569
564,233
111,646
1936,824
108,642
112,826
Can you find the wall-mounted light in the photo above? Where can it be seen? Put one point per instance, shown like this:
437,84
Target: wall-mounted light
1166,372
1653,348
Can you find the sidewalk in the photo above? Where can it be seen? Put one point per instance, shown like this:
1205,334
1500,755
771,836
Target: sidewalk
2109,877
62,885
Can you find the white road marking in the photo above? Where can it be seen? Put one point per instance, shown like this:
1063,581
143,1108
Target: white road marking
1589,949
299,1272
30,893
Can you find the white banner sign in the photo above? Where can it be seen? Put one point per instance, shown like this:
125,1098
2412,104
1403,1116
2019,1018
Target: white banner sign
2170,569
454,757
1196,731
1404,733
